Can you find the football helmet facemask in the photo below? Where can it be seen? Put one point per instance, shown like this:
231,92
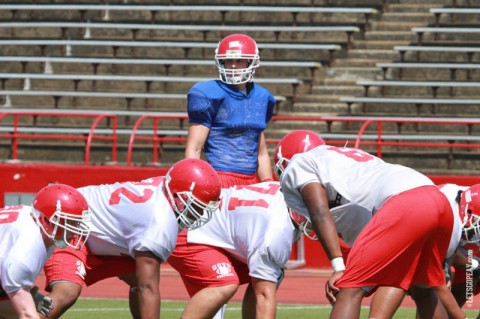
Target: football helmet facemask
303,223
193,188
295,142
470,214
62,214
237,46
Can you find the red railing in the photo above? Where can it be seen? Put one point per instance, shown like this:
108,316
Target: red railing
376,136
157,136
380,141
54,133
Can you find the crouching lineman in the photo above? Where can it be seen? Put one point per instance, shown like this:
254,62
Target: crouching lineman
134,229
384,256
28,235
248,241
466,200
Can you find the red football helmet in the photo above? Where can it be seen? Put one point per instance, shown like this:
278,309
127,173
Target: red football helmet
237,46
62,212
470,214
303,223
295,142
193,188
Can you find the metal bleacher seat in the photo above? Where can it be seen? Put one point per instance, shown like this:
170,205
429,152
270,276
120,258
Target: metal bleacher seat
68,46
107,9
167,63
452,12
453,67
433,85
128,97
191,28
420,31
393,101
148,80
468,50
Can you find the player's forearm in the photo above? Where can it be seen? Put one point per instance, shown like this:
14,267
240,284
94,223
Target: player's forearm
193,152
264,170
22,303
449,303
327,235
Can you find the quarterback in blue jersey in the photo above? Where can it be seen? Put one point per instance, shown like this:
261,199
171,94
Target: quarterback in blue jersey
228,116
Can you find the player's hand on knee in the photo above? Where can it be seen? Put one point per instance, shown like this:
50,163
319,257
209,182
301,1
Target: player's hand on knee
43,303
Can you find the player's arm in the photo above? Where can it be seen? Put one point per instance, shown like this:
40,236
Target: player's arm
449,303
22,303
196,138
315,198
264,170
147,270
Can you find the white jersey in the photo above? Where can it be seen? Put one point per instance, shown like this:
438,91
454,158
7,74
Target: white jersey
356,182
22,250
254,226
131,216
451,191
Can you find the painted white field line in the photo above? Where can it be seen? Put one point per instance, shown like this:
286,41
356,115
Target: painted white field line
299,307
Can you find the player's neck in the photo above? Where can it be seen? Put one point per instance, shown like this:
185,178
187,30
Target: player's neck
242,87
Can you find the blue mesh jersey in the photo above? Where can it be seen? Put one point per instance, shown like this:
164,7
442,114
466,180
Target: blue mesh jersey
235,121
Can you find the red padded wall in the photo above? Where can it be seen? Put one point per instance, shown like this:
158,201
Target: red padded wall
29,178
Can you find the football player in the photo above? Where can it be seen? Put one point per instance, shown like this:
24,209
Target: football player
227,117
465,200
402,247
134,229
248,242
57,217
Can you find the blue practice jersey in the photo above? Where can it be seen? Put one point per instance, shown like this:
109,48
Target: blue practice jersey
235,121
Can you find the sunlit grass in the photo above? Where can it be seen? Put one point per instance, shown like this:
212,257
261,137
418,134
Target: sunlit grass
118,309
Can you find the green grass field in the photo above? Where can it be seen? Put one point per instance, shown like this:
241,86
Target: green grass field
118,309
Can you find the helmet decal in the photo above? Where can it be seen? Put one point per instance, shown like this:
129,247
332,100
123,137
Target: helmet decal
295,142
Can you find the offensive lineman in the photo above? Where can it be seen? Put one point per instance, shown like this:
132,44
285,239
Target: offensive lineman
28,235
248,241
134,228
399,198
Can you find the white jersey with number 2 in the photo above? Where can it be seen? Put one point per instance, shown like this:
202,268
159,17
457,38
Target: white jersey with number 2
254,226
131,216
357,183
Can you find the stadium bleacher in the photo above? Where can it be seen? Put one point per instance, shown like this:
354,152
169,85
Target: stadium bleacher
334,57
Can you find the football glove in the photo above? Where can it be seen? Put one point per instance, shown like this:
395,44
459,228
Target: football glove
43,303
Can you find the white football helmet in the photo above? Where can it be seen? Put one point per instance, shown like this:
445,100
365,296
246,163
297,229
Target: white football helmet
237,46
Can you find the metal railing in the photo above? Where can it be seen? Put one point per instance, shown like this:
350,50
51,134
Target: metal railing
369,131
